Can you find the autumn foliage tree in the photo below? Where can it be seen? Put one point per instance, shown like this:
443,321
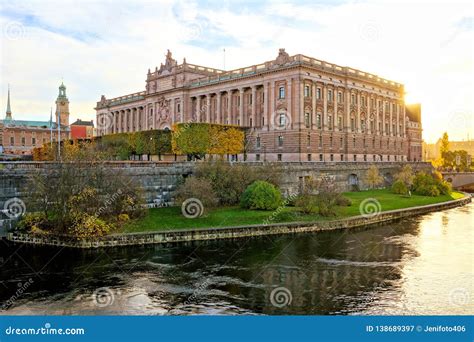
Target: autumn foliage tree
198,139
373,177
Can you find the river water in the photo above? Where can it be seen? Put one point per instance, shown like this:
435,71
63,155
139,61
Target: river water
421,265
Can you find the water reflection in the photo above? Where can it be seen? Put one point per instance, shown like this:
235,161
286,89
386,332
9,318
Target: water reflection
417,266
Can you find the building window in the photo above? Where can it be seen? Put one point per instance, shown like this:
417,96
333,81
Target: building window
282,119
12,141
308,139
330,98
331,157
250,99
280,140
318,120
33,141
339,123
330,121
251,122
318,93
309,156
306,119
395,158
320,157
320,141
281,93
330,141
307,92
352,125
362,125
257,157
341,142
353,102
178,108
373,157
388,158
258,142
354,142
354,157
339,97
365,157
23,141
279,156
342,157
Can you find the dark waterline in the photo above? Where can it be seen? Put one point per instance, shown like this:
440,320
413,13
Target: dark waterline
422,265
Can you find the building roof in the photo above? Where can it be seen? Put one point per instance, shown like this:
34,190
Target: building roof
26,123
79,122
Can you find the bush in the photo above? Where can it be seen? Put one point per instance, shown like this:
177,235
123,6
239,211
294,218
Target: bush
84,226
199,188
399,187
343,201
261,195
229,181
32,221
286,216
429,185
308,204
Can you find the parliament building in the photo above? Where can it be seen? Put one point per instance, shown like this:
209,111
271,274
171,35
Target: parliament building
295,108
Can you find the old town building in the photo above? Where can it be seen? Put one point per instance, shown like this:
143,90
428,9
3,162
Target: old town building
82,129
20,137
296,108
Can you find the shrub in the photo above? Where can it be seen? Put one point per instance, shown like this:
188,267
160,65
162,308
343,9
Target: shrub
286,216
428,185
373,177
229,181
199,188
308,204
399,187
261,195
343,201
444,187
123,217
84,226
32,221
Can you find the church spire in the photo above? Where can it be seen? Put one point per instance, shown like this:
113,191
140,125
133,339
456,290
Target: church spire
9,111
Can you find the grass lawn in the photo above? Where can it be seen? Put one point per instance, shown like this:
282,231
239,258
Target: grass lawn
171,218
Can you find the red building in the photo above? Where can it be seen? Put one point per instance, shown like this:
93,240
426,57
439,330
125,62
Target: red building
82,129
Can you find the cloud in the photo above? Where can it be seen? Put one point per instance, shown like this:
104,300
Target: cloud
106,47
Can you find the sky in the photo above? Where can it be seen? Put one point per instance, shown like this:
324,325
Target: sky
106,48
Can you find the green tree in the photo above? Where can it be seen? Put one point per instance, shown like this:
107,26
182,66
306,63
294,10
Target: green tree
444,143
373,176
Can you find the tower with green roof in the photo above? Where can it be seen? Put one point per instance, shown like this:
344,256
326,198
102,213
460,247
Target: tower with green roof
62,106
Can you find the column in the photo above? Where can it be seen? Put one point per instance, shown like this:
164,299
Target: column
173,110
290,114
390,126
229,107
313,105
254,105
208,108
325,107
301,104
347,106
404,121
155,107
120,121
218,108
266,108
369,115
359,127
335,114
377,114
241,107
198,108
397,126
137,119
384,131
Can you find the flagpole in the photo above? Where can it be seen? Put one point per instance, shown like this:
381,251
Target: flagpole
59,134
51,128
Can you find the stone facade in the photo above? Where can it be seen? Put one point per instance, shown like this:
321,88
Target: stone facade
296,108
20,137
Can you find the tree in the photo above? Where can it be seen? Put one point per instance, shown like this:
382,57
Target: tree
444,143
373,176
406,176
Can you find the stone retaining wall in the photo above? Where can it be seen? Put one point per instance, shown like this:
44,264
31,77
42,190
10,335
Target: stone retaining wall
233,232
